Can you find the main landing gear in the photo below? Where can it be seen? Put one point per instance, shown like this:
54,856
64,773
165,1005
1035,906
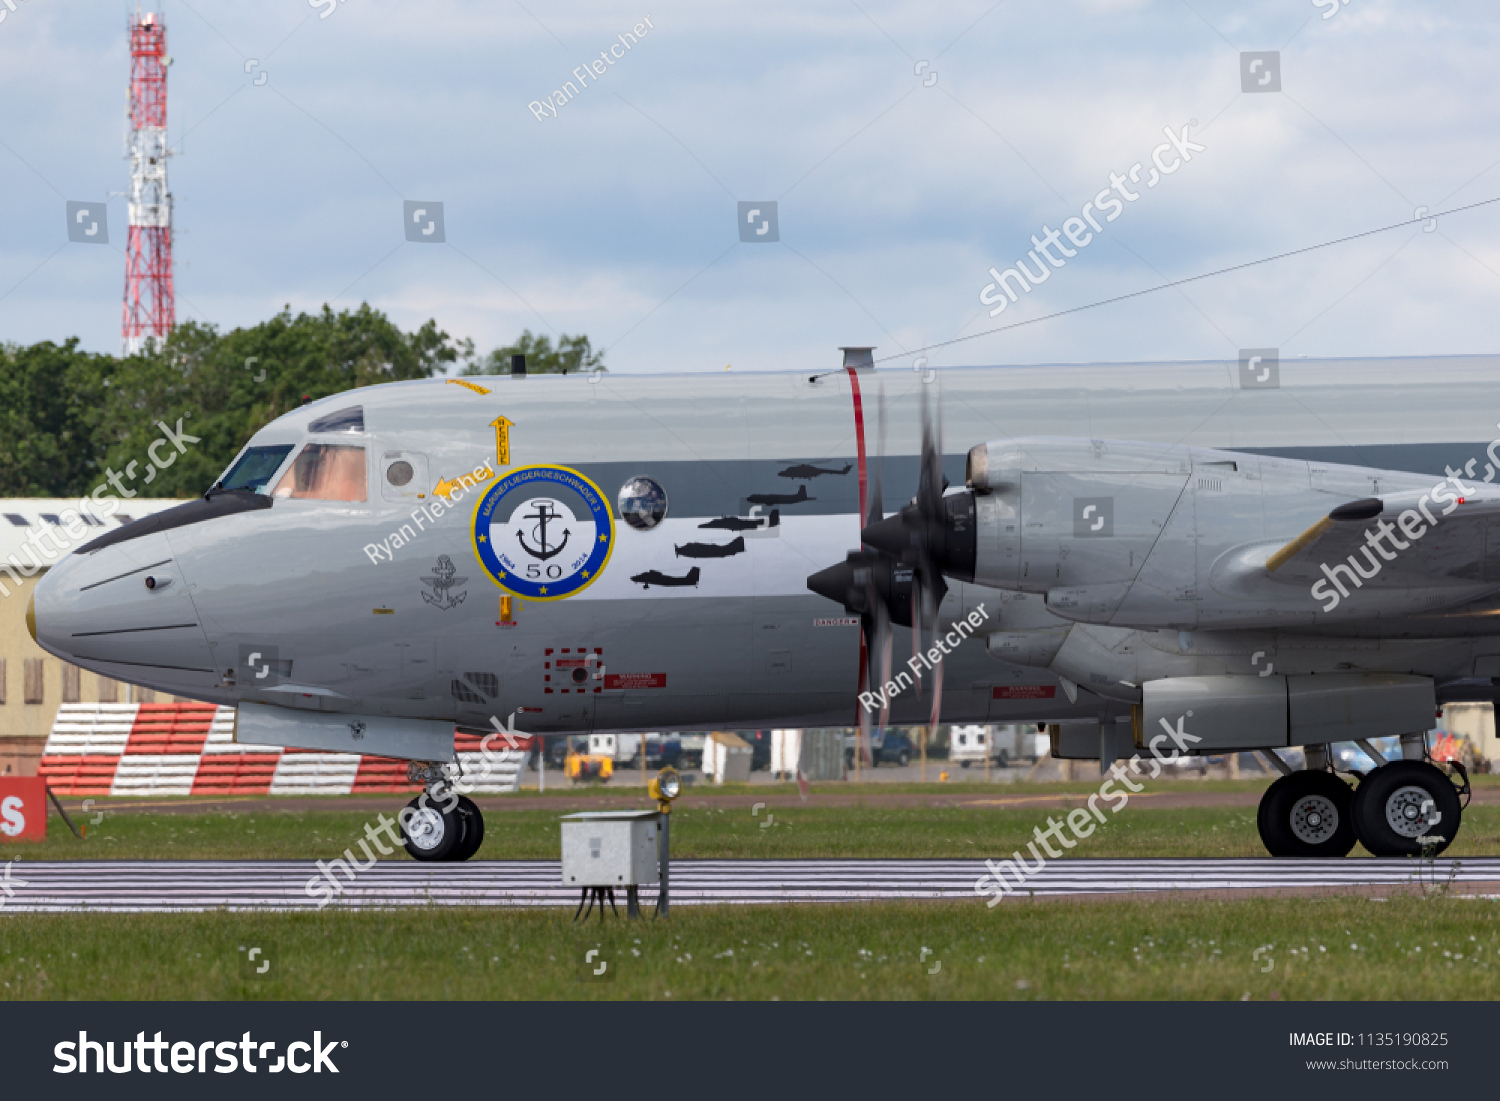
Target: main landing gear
440,824
1408,807
1307,814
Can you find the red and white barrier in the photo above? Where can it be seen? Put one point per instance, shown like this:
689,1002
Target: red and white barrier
188,749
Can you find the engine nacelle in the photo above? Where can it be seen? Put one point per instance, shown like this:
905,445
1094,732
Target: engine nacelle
1071,514
1232,713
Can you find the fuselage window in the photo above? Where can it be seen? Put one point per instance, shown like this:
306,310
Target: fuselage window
254,468
351,419
325,472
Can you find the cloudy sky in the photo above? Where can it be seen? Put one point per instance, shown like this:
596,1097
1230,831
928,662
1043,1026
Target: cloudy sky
907,147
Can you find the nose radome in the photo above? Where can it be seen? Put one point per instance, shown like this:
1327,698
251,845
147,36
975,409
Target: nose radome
124,611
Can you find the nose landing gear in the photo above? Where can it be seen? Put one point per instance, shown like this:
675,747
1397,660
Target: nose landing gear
440,824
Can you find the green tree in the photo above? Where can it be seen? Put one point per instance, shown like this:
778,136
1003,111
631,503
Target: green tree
225,387
572,355
50,400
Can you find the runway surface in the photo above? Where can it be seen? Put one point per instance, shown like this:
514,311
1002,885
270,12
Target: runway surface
159,886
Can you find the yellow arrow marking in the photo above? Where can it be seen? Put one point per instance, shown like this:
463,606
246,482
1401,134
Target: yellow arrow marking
446,488
502,429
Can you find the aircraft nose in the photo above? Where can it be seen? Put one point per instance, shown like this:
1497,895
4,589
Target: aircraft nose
123,611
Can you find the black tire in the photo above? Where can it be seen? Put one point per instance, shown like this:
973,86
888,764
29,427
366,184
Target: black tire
903,758
1391,811
473,835
1307,814
963,764
428,831
1004,759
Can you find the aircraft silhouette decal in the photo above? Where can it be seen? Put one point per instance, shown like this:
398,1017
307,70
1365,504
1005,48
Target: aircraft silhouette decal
655,577
806,470
780,498
711,550
741,523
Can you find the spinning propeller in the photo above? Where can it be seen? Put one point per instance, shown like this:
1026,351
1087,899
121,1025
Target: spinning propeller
896,577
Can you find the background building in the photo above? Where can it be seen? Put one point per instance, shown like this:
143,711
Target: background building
32,682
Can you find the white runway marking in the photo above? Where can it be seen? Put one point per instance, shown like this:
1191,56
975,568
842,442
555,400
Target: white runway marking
166,885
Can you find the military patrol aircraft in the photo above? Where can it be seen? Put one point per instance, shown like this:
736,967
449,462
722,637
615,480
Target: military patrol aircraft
1274,559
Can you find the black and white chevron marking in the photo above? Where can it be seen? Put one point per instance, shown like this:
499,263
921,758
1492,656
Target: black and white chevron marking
166,885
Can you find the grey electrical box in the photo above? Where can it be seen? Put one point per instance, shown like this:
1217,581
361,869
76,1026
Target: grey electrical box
610,848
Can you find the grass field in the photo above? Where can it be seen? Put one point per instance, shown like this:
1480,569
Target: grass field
1343,947
703,830
1440,948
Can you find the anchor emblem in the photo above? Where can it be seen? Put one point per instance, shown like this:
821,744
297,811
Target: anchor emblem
544,512
444,580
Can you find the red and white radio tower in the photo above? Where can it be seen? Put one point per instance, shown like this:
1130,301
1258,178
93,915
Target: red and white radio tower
150,310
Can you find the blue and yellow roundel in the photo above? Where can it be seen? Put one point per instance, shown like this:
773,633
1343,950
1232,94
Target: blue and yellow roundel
543,532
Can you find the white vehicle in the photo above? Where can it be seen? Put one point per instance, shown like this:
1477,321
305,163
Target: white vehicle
968,744
1004,745
608,745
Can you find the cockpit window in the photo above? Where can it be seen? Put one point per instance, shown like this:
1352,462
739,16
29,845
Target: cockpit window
325,472
254,468
345,420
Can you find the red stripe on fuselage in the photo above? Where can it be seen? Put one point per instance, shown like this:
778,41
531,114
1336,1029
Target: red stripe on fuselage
864,512
859,443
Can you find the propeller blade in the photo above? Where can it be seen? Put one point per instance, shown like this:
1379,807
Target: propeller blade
864,712
877,500
933,598
937,697
916,638
883,632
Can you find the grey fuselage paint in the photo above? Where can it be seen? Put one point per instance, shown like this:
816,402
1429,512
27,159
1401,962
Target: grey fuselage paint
416,631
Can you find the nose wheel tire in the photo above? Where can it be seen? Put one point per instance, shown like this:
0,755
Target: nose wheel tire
473,822
1308,813
1404,807
428,832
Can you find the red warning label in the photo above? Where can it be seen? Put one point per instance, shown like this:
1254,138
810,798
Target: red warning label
635,680
1024,692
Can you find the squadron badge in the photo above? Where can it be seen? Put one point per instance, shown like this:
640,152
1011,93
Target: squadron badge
543,532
